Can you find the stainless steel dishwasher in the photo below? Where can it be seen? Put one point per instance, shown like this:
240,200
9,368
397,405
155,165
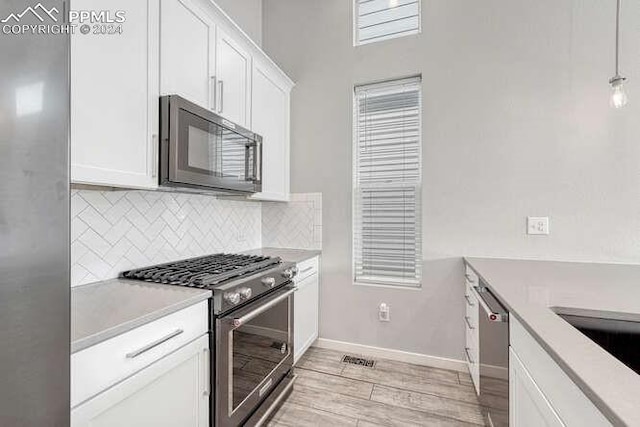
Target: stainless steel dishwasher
493,325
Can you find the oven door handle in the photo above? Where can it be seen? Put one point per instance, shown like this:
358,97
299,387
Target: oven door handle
497,314
239,321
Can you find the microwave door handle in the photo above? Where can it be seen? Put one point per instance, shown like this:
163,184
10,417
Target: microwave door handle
247,156
257,165
249,169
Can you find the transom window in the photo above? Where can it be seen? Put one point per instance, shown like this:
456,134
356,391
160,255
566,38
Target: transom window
387,174
376,20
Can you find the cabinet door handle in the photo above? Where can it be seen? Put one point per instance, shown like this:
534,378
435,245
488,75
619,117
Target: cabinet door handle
154,344
213,92
466,350
471,303
466,319
206,370
221,96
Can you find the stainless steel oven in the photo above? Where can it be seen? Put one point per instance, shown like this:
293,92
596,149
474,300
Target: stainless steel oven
201,150
253,358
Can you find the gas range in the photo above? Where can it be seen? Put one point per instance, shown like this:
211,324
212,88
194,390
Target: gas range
234,279
250,320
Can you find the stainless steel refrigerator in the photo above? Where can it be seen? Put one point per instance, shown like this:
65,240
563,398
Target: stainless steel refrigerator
34,222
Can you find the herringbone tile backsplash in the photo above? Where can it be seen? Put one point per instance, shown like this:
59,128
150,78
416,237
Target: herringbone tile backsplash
297,224
112,231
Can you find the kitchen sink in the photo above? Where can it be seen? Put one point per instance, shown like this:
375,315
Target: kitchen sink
619,337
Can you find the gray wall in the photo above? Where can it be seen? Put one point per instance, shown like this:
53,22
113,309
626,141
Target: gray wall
516,123
247,14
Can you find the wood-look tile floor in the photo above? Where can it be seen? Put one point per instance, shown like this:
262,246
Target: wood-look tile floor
329,392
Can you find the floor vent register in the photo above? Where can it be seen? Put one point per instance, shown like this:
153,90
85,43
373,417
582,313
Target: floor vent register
352,360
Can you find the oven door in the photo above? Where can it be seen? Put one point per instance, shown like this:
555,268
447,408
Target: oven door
254,352
203,150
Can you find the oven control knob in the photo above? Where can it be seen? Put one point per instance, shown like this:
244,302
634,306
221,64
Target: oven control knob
269,282
245,293
232,297
289,273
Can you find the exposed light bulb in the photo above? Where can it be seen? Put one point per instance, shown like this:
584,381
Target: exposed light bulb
618,95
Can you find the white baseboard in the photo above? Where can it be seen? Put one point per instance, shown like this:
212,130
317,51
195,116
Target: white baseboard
398,355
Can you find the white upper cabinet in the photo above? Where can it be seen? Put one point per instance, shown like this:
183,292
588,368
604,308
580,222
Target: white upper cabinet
270,119
187,52
114,99
233,80
184,47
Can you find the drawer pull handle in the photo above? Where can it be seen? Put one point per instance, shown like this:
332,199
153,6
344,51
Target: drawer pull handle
307,269
466,350
471,303
154,344
466,319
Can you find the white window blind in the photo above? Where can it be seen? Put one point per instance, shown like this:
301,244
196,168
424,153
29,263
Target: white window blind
377,20
387,179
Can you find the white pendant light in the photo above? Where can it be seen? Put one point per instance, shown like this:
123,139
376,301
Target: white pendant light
618,95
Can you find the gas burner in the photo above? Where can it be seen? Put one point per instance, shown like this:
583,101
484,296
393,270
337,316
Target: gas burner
204,271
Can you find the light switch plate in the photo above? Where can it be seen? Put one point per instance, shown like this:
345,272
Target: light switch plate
538,225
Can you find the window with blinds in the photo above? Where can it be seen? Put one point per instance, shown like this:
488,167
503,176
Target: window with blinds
377,20
387,178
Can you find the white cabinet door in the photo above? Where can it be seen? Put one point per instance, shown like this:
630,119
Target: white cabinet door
114,99
566,398
305,323
172,392
270,119
528,407
233,80
187,52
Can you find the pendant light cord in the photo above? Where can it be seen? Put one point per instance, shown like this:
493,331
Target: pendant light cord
618,37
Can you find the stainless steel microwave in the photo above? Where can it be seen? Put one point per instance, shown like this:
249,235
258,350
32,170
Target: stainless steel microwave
201,150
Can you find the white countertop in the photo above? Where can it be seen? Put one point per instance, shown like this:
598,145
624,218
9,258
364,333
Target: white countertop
530,289
102,310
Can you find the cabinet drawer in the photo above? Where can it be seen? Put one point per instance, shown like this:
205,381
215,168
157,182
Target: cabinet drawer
470,276
472,355
471,304
174,391
103,365
307,268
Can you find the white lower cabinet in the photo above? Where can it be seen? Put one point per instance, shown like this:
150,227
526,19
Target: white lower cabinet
540,392
471,320
528,407
306,307
174,391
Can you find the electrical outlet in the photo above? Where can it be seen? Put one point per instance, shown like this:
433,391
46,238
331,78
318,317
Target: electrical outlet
241,235
538,225
384,314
